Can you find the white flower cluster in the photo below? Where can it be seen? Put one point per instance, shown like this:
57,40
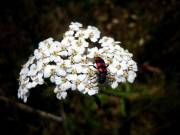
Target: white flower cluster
69,63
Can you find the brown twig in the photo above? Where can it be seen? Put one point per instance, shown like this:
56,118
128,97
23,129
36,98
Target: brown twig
150,68
32,110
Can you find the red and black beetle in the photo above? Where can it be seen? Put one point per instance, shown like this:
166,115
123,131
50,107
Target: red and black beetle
101,68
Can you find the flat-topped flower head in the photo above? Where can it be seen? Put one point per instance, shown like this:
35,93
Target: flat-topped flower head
70,63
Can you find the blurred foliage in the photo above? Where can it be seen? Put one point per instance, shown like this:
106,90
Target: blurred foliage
149,29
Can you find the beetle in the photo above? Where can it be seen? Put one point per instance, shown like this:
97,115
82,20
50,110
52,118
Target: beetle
101,68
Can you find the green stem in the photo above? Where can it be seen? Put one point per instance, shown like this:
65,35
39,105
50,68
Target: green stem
123,107
122,94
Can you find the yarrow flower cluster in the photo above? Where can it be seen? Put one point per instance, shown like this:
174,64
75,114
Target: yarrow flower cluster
69,63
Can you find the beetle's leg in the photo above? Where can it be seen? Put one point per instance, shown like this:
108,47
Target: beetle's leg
93,66
93,78
107,65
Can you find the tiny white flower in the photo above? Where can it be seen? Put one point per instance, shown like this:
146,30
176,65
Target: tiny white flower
67,63
67,42
60,71
82,34
92,91
48,71
24,71
58,80
81,87
38,54
61,95
126,57
124,65
77,58
46,60
39,65
94,33
75,26
131,76
81,42
72,77
65,85
63,53
120,72
114,85
33,70
23,94
106,41
82,77
132,65
73,86
38,78
32,84
79,50
56,59
53,78
45,50
30,61
112,69
69,33
93,52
